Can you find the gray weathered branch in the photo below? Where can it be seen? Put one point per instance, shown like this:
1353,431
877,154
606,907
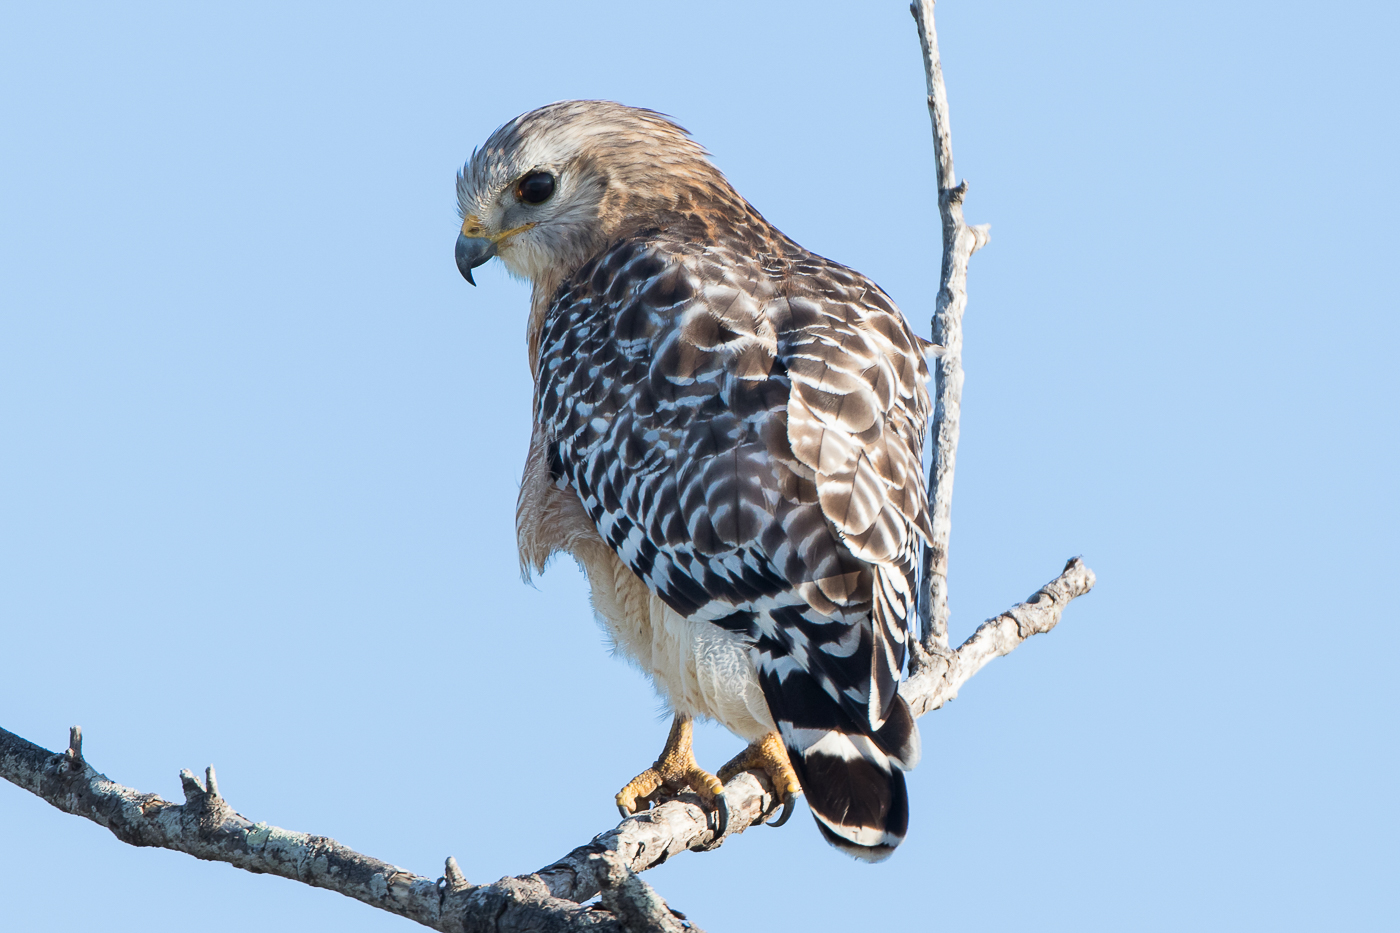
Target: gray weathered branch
651,838
935,671
551,899
206,827
936,679
959,243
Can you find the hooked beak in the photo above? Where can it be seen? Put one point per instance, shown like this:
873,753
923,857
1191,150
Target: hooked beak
472,251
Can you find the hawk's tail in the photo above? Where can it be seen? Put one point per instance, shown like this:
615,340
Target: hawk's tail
853,778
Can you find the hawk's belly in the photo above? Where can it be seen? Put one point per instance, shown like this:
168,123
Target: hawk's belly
698,667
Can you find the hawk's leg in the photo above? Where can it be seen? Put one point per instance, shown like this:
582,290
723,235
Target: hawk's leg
769,756
675,770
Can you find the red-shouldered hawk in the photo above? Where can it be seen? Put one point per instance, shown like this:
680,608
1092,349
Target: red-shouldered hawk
728,437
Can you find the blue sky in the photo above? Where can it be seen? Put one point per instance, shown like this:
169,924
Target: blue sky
261,446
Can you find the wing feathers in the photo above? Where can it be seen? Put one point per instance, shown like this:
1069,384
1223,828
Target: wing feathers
746,432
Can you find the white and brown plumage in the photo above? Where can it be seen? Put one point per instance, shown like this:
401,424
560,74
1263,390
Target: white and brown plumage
728,435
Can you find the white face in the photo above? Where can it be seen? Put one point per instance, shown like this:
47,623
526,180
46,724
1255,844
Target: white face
534,198
608,163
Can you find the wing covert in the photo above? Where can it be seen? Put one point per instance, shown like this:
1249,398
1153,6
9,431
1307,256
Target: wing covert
746,434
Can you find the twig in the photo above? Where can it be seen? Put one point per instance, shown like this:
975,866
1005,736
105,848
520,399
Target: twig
935,671
941,676
959,243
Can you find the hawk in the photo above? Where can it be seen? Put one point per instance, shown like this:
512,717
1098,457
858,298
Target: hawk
728,436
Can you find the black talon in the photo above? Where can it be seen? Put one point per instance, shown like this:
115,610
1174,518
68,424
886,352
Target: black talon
626,814
721,812
788,806
721,815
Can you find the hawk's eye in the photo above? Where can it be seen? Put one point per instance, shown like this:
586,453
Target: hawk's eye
535,188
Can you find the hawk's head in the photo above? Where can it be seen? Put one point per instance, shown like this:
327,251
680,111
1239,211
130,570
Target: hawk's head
553,186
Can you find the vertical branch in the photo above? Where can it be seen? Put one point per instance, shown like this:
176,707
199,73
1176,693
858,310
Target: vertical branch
937,99
959,243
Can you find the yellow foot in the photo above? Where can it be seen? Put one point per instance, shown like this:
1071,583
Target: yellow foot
674,771
769,756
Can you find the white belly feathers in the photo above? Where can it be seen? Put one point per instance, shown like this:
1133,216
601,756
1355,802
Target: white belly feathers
697,667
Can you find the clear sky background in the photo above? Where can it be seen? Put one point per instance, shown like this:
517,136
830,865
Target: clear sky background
260,446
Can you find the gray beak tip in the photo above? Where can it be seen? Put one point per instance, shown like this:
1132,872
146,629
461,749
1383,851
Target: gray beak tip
471,252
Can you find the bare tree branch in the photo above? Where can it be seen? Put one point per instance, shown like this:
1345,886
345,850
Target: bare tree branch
648,839
935,671
652,837
939,677
959,243
206,827
551,899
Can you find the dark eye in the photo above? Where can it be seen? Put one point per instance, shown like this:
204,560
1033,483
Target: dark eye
535,188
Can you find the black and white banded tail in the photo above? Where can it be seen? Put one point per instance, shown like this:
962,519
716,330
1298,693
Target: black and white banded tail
852,771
